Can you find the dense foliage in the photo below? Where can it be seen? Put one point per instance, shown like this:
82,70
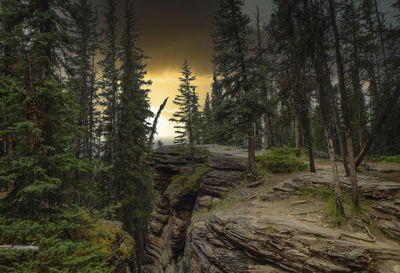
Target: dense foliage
55,153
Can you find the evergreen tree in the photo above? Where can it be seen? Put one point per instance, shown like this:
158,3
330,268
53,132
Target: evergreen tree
133,182
41,163
110,86
218,118
83,79
207,124
187,117
234,68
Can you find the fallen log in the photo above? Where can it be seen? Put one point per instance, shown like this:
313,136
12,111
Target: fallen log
20,248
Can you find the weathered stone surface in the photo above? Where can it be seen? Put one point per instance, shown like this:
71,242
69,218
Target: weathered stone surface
371,187
171,217
281,243
249,240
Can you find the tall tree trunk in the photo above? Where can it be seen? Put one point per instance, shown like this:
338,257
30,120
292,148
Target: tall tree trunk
356,79
345,108
340,137
91,124
251,148
308,140
322,78
266,130
297,130
139,247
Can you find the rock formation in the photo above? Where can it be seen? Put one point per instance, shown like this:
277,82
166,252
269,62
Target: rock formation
192,230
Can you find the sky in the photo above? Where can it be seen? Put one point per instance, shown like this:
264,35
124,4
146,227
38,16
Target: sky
175,30
172,31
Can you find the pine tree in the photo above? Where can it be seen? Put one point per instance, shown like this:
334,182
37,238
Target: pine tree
133,182
187,117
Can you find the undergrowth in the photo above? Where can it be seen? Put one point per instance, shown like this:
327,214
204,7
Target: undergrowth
68,242
280,160
329,196
388,159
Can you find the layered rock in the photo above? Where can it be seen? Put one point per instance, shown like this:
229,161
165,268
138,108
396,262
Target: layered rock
175,203
383,197
244,242
262,232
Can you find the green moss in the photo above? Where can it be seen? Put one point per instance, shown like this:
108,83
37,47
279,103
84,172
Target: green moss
280,160
187,183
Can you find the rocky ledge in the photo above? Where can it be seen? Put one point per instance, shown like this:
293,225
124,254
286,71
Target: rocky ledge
262,229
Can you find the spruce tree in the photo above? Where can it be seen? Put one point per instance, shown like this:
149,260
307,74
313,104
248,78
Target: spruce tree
234,67
82,77
187,115
207,124
41,163
133,181
109,102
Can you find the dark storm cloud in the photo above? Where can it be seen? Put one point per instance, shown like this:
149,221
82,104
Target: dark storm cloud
176,29
172,30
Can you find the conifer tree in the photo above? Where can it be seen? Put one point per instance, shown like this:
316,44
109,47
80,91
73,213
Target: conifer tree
234,67
41,163
133,182
207,124
82,77
187,115
217,132
110,86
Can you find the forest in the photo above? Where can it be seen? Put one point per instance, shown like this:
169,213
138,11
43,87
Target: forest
322,76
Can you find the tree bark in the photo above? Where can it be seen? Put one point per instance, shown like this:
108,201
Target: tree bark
345,108
356,79
308,140
322,78
340,137
297,129
251,159
266,130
